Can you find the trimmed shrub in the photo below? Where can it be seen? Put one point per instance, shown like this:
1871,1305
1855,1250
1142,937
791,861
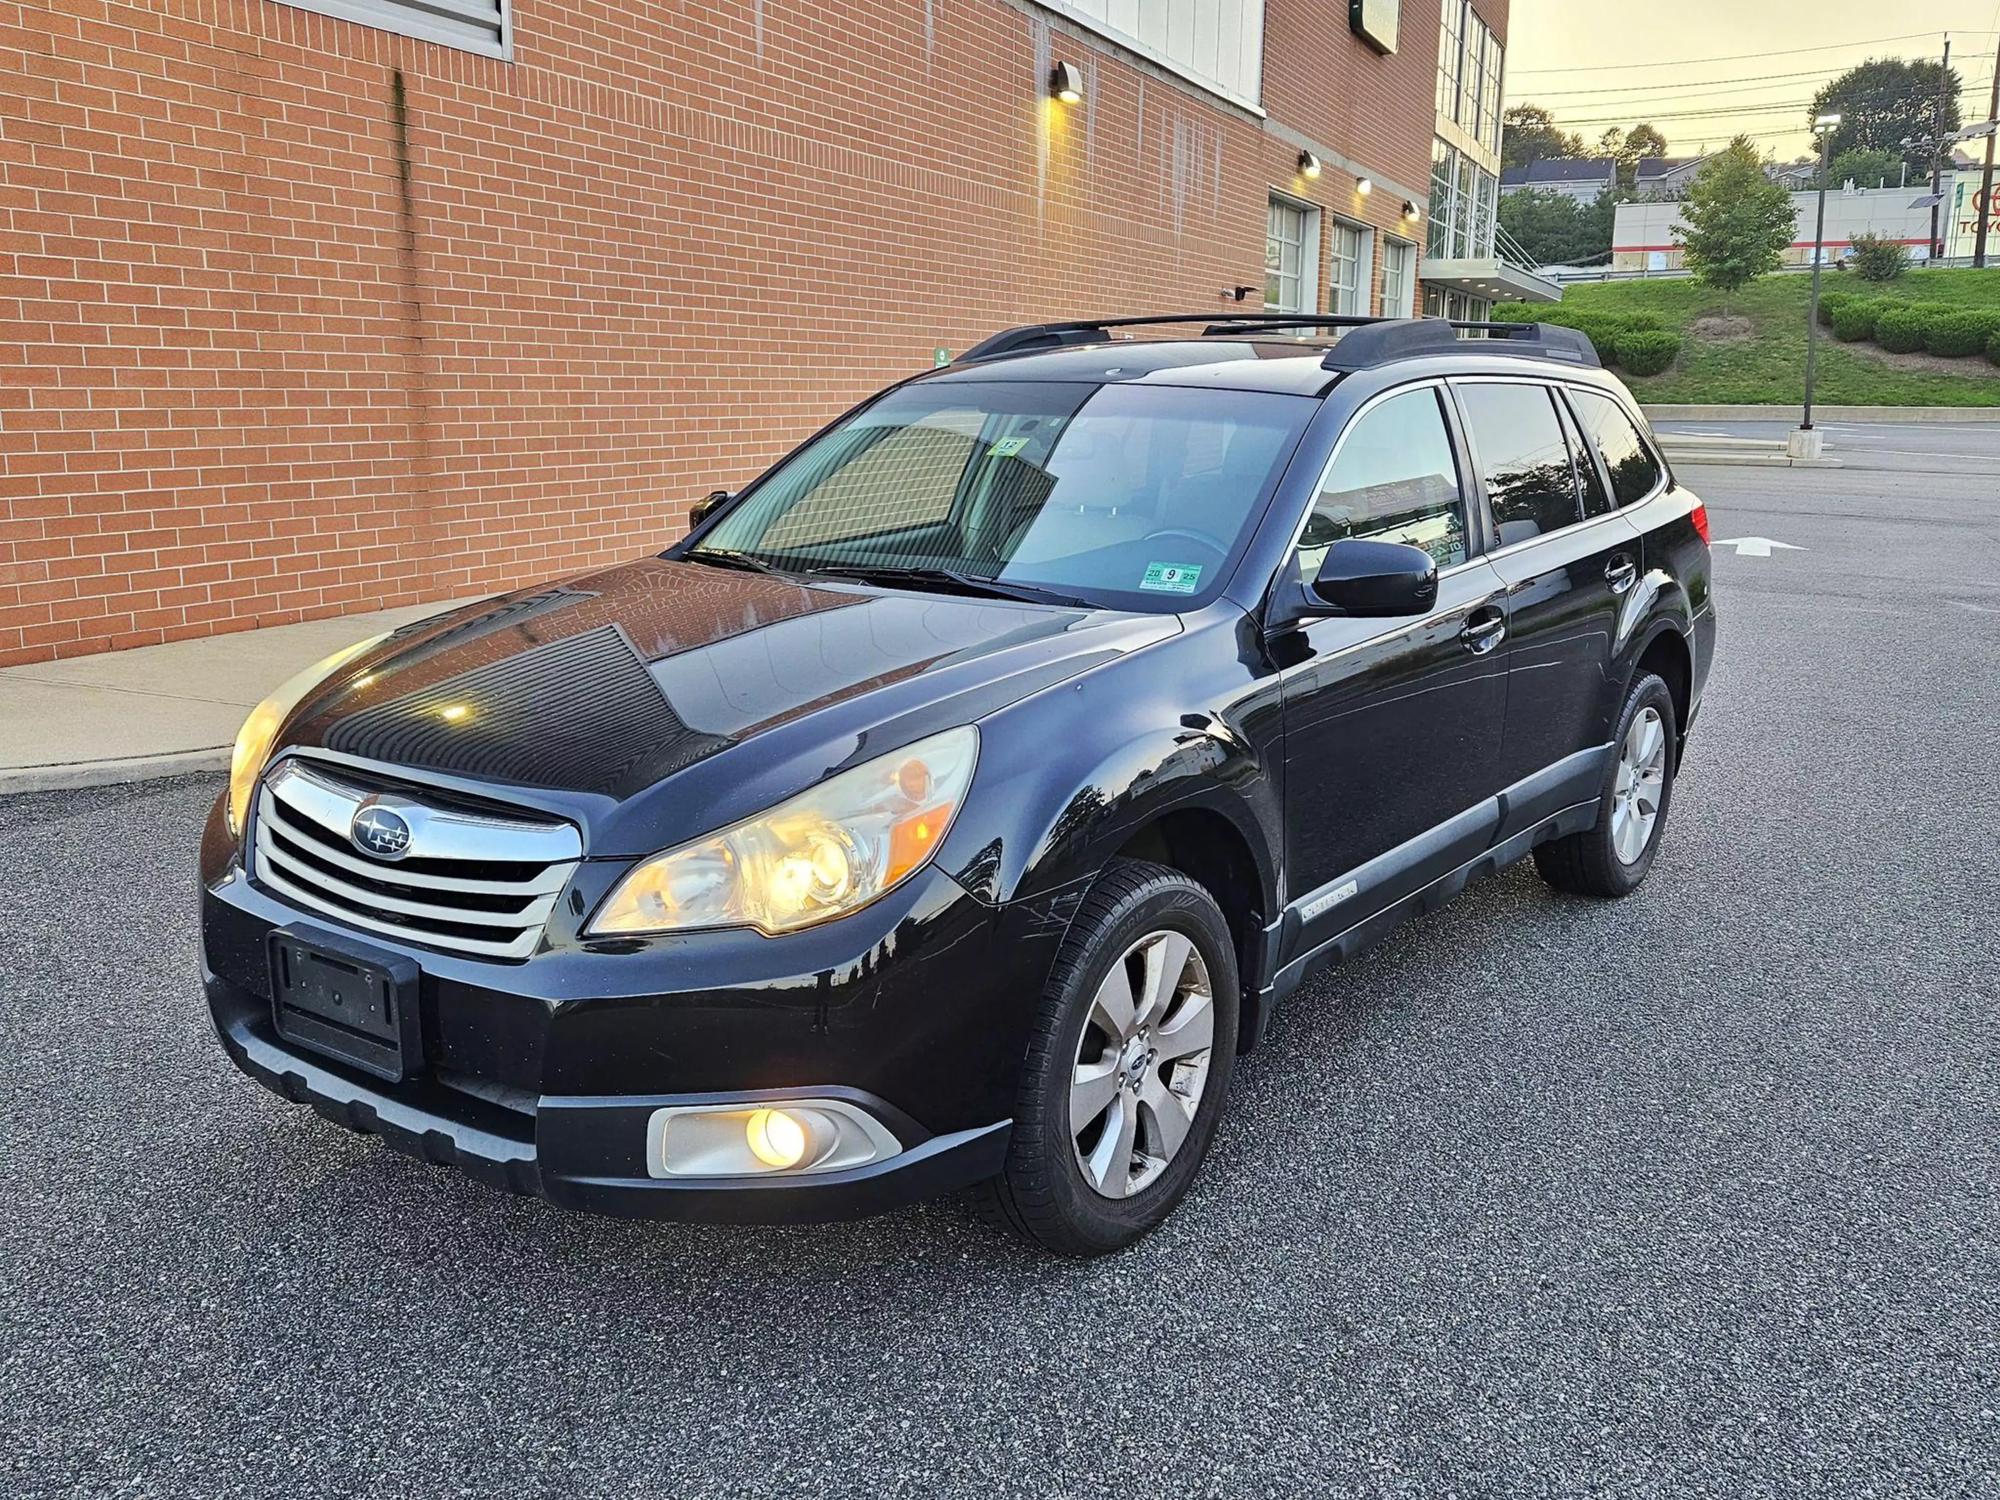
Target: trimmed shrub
1901,330
1993,348
1854,319
1647,351
1831,303
1876,259
1650,322
1956,335
1603,335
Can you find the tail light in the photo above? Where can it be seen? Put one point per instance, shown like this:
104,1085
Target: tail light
1699,516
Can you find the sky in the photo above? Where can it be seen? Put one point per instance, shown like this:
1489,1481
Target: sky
1705,70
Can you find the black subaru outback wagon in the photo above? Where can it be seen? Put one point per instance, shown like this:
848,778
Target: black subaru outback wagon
959,800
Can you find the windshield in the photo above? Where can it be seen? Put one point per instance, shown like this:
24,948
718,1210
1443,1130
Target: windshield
1133,496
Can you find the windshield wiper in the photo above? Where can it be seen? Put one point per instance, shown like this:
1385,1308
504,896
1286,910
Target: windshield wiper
722,557
948,580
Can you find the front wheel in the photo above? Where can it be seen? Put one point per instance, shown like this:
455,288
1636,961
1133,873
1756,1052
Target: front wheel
1611,858
1125,1076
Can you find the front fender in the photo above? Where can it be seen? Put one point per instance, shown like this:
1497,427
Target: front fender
1071,775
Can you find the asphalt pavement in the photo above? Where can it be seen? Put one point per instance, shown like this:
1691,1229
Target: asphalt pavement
1697,1194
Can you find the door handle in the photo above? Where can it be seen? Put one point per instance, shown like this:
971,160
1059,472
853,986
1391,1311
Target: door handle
1484,629
1621,573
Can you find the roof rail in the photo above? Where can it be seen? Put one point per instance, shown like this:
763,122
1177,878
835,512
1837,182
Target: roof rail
1032,337
1408,338
1365,343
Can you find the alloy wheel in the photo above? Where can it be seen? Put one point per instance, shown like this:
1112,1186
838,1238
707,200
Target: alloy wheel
1638,786
1141,1064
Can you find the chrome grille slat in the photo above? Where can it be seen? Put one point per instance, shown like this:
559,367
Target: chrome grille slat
535,912
305,813
551,879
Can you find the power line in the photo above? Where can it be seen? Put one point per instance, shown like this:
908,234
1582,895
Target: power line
1743,56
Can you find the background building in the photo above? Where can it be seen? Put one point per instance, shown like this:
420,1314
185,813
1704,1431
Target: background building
1642,234
339,304
1583,178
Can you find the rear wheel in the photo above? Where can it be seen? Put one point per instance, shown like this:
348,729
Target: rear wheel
1611,858
1125,1076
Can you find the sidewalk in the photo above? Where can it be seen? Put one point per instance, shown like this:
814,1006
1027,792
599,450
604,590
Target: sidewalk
157,710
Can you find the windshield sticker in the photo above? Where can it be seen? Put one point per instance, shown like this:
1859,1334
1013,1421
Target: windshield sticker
1007,447
1172,578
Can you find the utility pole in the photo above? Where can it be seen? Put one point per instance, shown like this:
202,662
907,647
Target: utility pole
1984,206
1805,443
1938,149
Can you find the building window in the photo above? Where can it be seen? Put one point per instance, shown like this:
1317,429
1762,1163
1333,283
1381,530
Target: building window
1464,203
1450,25
471,25
1291,257
1399,264
1348,262
1470,59
1489,111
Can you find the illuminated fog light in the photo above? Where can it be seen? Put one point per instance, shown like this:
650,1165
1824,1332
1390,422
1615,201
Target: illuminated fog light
782,1138
775,1137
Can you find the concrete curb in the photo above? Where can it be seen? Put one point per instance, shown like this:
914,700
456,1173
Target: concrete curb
18,779
1890,414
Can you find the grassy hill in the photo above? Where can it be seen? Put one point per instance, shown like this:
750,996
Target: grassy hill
1750,345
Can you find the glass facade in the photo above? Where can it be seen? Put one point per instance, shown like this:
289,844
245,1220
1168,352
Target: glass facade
1465,198
1470,64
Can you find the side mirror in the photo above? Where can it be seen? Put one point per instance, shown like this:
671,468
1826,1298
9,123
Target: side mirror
1359,577
698,512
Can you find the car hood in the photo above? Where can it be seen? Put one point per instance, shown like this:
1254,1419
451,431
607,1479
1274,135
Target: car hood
598,688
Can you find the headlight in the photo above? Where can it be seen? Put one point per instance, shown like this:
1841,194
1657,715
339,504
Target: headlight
827,852
253,740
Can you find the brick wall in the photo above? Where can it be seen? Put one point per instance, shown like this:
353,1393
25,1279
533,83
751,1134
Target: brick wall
284,337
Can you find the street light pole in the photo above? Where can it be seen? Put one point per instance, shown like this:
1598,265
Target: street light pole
1801,445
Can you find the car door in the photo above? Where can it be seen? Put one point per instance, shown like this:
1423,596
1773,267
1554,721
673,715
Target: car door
1392,726
1565,572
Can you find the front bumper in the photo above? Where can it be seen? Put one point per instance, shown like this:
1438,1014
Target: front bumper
587,1152
541,1076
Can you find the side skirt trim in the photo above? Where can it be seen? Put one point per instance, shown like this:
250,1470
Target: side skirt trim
1372,929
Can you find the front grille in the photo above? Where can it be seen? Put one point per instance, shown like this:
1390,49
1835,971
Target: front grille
470,881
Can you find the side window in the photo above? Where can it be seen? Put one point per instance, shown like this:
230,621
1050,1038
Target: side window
1520,446
1635,473
1394,480
1596,499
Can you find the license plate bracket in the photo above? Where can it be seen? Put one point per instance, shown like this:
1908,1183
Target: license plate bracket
347,1000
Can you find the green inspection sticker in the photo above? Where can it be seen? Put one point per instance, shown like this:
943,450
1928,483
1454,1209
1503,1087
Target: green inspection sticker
1007,447
1172,578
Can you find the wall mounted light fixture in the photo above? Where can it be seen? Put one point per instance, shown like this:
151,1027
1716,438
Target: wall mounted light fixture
1308,164
1066,83
1364,185
1411,211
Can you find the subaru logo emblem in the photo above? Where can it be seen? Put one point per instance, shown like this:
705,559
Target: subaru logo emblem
379,832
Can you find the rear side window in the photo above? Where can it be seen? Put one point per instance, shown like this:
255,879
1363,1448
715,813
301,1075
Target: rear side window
1520,446
1394,480
1635,473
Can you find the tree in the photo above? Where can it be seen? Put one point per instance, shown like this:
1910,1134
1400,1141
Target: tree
1738,221
1887,101
1555,230
1865,168
1529,133
1630,147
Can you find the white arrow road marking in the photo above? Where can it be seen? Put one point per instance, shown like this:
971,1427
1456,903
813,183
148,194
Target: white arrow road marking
1756,546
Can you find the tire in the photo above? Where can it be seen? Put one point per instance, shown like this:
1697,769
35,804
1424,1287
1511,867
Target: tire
1602,860
1136,915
